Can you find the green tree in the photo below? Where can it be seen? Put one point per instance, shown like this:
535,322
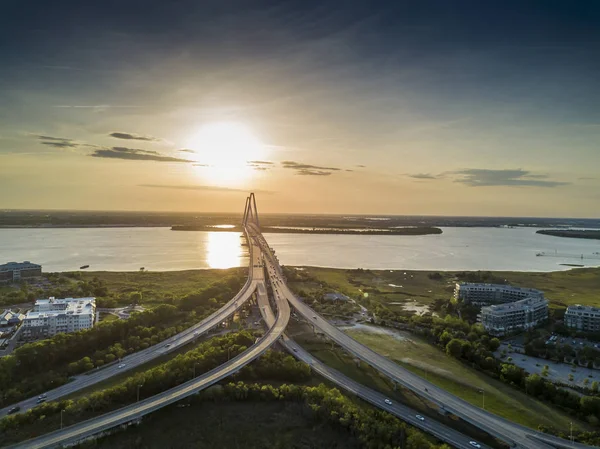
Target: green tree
454,347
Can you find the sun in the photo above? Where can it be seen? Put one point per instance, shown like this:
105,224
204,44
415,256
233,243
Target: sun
223,150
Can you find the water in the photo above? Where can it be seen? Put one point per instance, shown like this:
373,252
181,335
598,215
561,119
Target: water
160,249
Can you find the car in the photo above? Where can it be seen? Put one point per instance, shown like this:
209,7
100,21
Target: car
44,395
475,444
122,365
196,333
40,400
420,418
387,401
295,349
15,409
315,317
168,345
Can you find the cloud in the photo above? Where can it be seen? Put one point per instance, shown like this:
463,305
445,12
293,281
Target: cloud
349,170
422,176
200,188
134,154
361,166
186,150
479,177
306,172
260,162
56,142
587,178
200,165
299,166
131,136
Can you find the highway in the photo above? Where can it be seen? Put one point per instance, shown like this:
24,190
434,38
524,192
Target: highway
406,414
507,431
133,412
166,346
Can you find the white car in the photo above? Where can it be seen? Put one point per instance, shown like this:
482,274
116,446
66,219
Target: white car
420,418
475,444
387,401
122,365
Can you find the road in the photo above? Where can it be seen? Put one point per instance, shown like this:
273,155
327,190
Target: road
166,346
406,414
135,411
507,431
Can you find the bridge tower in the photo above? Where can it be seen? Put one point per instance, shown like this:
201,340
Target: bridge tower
250,211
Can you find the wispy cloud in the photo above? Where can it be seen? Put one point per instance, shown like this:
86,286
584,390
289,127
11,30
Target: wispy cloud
306,172
309,169
479,177
134,154
56,142
361,166
261,162
201,188
186,150
587,178
422,176
132,136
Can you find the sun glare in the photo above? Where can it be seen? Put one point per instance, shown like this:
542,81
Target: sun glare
223,150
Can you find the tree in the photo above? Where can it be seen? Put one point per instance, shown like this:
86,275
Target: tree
595,386
135,298
454,347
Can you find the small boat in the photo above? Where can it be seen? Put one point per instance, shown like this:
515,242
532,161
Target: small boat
83,267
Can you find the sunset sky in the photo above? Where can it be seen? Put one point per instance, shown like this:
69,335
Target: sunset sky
400,107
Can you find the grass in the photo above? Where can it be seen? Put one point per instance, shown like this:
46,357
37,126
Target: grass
562,288
368,376
156,286
232,425
453,376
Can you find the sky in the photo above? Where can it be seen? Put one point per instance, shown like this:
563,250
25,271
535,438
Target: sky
379,107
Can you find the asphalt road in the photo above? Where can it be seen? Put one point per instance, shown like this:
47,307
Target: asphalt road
166,346
406,414
507,431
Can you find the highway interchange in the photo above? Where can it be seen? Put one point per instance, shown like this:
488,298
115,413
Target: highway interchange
261,257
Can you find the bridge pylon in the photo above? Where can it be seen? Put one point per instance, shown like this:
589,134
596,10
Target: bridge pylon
250,211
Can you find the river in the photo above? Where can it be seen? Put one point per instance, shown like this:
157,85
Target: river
160,249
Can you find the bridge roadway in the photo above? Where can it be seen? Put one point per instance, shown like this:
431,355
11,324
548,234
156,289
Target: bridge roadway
406,414
507,431
141,357
131,413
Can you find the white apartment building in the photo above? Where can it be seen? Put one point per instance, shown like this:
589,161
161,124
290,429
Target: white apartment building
52,316
519,315
583,318
484,294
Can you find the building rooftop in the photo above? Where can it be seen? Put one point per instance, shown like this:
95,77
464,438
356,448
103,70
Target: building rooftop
72,306
521,304
10,266
583,308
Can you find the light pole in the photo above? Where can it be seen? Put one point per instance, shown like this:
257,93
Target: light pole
571,432
482,391
61,419
228,349
195,363
138,393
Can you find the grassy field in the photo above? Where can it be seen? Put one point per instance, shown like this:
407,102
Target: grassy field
561,288
368,376
232,425
453,376
157,286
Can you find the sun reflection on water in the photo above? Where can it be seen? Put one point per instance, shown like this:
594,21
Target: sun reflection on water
224,250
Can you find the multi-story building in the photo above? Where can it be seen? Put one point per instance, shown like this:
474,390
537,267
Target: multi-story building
524,314
15,271
484,294
583,318
52,316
